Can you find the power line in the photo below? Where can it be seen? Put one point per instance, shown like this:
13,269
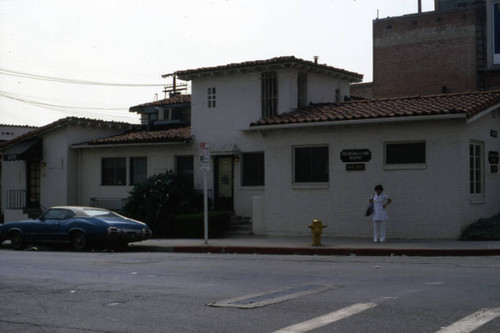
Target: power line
9,72
73,110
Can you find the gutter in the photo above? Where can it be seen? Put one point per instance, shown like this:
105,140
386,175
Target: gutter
111,145
483,113
358,122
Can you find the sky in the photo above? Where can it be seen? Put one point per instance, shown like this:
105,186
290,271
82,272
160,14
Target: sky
96,58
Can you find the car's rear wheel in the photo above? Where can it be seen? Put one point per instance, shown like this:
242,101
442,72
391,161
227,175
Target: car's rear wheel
78,240
17,240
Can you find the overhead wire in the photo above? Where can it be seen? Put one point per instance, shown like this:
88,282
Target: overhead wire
9,72
74,110
67,109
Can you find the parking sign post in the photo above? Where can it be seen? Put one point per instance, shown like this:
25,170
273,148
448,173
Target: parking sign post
205,168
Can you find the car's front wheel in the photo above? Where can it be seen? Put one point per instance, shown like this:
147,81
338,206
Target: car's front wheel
17,240
78,240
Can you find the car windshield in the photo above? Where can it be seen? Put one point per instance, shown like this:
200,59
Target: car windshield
99,213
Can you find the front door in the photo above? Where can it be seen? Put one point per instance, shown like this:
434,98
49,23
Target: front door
223,173
33,189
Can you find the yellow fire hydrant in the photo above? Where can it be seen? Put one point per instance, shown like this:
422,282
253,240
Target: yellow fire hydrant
316,230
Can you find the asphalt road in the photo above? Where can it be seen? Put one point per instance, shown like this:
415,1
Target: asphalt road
57,291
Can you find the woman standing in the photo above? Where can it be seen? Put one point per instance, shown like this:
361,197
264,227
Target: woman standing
379,217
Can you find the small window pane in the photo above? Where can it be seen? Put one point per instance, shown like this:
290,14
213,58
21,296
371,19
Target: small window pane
405,153
311,165
138,170
185,166
113,171
253,169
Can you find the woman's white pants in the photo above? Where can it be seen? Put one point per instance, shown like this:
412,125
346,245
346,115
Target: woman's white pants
379,230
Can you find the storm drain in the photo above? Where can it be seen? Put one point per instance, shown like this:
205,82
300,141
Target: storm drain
272,297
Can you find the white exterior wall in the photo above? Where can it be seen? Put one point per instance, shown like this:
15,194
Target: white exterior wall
238,99
13,178
59,177
321,89
160,158
238,104
431,202
489,204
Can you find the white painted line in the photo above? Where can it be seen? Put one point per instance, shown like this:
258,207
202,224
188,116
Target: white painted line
327,319
472,322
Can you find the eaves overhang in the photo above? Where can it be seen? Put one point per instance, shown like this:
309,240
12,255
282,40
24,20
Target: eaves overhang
268,65
118,145
372,121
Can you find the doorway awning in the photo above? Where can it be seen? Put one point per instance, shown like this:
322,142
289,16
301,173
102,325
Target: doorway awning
26,150
225,149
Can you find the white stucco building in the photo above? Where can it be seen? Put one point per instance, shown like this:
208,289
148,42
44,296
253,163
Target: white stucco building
40,169
436,156
287,145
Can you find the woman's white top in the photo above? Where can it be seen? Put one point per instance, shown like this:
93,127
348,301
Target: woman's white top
379,213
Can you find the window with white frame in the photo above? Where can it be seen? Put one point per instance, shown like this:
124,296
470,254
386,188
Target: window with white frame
405,153
311,164
114,171
476,167
302,90
184,166
253,169
138,170
269,91
211,97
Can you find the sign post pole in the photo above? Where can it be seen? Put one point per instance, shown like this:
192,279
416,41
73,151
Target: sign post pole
205,207
205,168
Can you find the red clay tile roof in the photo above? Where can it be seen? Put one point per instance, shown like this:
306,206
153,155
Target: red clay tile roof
170,135
63,122
270,64
179,99
468,104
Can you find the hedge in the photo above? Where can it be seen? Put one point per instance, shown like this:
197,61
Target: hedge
483,229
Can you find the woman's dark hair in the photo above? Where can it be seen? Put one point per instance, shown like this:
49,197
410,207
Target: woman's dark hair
379,187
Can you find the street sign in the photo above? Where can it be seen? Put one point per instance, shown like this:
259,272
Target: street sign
205,156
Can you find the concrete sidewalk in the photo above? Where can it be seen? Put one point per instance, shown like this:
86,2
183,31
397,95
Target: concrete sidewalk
330,246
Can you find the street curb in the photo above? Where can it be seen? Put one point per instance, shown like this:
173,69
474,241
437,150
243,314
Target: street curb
321,251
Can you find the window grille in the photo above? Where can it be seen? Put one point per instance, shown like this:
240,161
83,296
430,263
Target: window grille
269,82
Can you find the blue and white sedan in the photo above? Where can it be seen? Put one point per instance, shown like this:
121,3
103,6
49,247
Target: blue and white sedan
82,227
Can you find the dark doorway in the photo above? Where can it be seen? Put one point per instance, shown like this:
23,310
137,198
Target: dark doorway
223,181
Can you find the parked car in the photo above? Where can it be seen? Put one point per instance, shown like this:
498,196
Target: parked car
82,227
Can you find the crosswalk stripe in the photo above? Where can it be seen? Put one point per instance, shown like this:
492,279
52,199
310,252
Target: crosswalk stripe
327,319
470,323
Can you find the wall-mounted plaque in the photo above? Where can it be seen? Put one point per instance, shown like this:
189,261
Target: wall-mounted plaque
493,157
355,167
355,155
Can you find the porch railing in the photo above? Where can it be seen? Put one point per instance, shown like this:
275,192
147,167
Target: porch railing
114,204
16,199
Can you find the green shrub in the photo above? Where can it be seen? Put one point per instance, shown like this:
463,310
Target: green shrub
192,225
483,229
159,198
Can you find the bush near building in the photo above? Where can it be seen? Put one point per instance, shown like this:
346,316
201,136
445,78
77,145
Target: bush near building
192,225
167,202
483,229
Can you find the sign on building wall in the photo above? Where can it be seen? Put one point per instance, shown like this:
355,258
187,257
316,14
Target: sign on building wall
355,155
493,157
